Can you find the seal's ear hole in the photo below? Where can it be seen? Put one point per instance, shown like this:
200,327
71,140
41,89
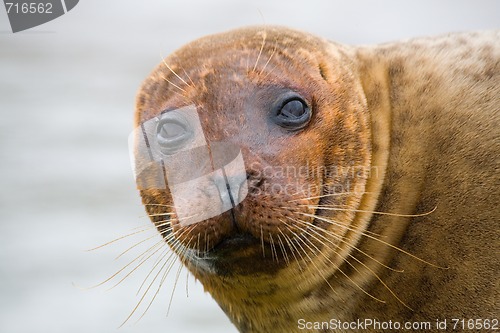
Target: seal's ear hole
322,71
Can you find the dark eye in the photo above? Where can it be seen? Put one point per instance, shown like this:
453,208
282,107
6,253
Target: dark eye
293,113
173,132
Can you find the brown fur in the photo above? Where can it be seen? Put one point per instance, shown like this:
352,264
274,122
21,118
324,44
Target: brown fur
422,114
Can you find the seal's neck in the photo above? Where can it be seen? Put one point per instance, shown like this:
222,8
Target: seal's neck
264,303
393,190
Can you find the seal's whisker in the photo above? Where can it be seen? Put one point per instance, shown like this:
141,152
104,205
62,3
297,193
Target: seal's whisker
187,218
376,239
248,63
161,214
175,246
187,283
148,228
292,247
164,228
198,244
135,245
361,263
269,72
307,240
142,298
159,205
302,260
206,241
340,239
274,253
177,234
317,250
330,207
116,240
174,288
167,266
144,227
173,84
260,51
189,78
160,258
283,250
336,223
262,241
270,57
173,72
320,272
144,257
165,238
323,196
353,229
127,265
163,223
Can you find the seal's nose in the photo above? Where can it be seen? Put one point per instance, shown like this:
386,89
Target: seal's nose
254,181
232,187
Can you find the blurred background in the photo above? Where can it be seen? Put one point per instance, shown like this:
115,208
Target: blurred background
67,92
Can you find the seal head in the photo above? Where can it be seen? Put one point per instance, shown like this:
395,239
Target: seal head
303,144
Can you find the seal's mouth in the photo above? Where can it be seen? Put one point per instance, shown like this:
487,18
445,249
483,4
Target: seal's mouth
239,254
234,243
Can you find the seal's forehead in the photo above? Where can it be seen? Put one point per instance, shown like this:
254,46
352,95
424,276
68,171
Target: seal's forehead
217,67
253,36
255,40
246,51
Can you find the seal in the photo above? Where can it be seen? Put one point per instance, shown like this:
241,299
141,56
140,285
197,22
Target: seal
371,178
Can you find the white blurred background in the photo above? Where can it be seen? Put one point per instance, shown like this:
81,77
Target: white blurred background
67,93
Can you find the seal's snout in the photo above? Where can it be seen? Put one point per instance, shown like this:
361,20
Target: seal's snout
222,192
256,204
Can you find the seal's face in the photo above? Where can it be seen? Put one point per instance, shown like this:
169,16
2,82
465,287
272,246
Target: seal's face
273,95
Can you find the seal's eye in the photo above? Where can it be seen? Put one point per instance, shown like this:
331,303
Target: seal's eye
173,132
293,113
170,131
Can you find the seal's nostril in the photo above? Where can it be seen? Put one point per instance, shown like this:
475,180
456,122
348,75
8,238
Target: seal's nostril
254,181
